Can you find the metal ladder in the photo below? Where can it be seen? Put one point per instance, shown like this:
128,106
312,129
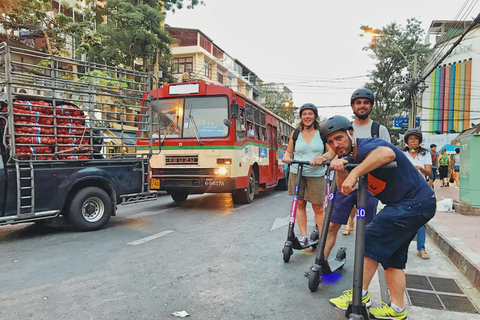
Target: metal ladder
25,188
146,175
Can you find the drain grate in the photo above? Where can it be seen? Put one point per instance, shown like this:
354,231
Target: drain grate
437,293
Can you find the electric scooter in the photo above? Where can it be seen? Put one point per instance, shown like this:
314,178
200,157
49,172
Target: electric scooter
292,241
356,309
322,266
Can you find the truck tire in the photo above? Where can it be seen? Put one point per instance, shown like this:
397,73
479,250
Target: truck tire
245,195
90,209
179,196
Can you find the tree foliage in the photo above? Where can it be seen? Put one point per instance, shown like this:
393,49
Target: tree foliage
279,102
391,81
34,17
114,32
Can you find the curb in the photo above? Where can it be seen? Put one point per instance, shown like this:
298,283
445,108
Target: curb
459,253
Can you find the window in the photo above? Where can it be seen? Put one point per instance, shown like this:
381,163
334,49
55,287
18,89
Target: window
220,77
183,65
208,69
249,111
257,115
240,125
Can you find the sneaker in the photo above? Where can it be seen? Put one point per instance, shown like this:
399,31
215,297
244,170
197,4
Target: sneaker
387,312
303,241
343,301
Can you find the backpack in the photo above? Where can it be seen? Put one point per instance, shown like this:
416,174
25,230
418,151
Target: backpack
444,160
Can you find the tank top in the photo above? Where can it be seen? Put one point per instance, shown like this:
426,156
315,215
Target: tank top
306,152
457,160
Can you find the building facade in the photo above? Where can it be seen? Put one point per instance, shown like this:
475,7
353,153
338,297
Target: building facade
450,102
197,58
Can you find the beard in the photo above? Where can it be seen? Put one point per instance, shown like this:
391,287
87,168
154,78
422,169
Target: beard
362,116
344,152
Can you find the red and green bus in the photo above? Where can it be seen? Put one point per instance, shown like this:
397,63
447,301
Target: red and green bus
215,140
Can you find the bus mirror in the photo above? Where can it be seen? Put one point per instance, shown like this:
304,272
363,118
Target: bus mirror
234,108
227,122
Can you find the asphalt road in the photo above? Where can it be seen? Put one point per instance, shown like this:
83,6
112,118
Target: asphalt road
208,257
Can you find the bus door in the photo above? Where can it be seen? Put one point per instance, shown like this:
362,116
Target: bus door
273,154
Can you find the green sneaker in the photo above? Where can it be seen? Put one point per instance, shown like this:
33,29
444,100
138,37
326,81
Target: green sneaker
343,301
387,312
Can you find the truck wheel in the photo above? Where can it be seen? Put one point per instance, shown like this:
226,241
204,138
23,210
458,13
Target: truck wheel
179,196
90,209
245,195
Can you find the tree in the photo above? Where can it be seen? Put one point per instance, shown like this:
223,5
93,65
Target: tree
33,16
392,80
279,101
130,32
115,32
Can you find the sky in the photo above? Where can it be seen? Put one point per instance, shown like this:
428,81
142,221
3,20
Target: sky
312,46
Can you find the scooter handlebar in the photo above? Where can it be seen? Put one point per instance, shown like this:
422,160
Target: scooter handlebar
300,162
351,166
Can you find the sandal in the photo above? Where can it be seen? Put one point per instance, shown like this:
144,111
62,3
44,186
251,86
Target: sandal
423,254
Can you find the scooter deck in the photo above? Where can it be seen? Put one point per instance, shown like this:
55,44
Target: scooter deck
333,265
311,243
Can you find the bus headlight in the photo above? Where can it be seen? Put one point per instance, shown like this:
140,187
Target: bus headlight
220,171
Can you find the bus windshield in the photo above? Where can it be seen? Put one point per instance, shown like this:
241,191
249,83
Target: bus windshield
191,117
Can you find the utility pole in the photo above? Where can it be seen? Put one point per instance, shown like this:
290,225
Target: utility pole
412,117
156,65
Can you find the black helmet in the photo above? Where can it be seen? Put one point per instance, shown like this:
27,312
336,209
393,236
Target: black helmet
333,124
309,106
362,93
415,132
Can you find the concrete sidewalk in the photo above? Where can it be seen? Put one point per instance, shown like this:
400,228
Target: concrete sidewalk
457,235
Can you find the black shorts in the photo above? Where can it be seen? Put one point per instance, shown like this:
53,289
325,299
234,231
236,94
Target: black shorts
389,234
443,172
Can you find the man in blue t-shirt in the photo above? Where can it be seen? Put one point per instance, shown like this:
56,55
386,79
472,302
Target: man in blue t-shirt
409,204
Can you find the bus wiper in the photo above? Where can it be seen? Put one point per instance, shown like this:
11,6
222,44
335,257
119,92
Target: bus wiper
170,126
195,128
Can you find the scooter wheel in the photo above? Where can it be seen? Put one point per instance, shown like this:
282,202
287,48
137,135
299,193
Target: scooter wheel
314,235
341,253
287,252
314,279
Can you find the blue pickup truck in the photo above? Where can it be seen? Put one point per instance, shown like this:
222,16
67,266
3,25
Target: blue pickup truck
63,139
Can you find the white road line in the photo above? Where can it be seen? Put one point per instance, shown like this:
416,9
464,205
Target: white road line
149,238
145,214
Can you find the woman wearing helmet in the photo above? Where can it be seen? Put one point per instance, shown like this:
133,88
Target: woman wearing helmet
421,159
308,147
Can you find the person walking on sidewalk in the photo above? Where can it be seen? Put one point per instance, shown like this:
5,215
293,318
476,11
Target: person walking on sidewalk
409,204
444,162
433,174
456,167
344,209
422,160
308,146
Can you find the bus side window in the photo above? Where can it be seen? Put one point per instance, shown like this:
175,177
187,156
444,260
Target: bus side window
240,125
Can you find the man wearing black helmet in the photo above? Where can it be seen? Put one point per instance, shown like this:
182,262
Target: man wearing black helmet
409,204
308,147
362,101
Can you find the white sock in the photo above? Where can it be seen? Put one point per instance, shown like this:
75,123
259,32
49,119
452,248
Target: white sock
395,307
364,292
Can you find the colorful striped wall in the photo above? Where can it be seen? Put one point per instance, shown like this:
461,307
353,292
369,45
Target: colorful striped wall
450,97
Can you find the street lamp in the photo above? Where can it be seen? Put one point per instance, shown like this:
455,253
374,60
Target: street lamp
286,104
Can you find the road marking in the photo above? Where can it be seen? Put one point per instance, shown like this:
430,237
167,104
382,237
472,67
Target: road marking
149,238
145,214
280,222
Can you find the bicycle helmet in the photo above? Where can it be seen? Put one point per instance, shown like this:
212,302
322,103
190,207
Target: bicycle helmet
415,132
309,106
333,124
362,93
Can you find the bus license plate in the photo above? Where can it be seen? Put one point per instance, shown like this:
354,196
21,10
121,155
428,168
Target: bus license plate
155,184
